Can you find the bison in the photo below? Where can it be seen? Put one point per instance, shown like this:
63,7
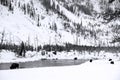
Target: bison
91,60
14,66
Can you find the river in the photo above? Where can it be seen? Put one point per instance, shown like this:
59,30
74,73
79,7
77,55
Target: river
44,63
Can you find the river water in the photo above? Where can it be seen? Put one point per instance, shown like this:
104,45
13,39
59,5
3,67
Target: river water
44,63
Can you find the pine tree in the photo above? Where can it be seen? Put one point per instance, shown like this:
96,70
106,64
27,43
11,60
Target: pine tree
24,9
19,4
28,8
22,50
2,38
111,1
38,24
55,27
53,6
10,7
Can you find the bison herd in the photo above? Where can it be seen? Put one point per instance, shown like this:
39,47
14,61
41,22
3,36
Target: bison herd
16,65
110,60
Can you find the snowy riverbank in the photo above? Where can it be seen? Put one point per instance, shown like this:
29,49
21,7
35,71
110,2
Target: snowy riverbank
7,56
97,70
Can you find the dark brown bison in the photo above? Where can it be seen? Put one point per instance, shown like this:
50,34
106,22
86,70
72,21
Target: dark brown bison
91,60
112,62
75,58
14,66
110,59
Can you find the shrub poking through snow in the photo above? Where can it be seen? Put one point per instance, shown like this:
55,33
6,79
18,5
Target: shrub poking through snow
112,62
43,53
14,66
91,60
75,58
43,59
55,53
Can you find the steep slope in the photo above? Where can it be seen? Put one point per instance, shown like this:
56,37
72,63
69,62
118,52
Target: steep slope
40,22
18,27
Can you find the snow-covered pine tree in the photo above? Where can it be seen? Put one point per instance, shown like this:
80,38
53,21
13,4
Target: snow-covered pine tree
38,24
24,8
10,7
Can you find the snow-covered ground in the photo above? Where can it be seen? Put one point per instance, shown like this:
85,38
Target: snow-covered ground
7,56
97,70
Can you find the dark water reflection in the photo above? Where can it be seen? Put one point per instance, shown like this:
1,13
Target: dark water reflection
44,63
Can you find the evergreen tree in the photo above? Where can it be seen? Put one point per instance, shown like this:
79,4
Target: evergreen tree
28,8
111,1
38,20
19,4
10,7
22,50
24,9
55,27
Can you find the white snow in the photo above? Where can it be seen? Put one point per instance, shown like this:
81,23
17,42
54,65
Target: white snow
19,27
98,70
8,56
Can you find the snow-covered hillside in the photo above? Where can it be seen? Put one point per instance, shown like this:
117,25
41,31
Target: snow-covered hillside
40,22
18,27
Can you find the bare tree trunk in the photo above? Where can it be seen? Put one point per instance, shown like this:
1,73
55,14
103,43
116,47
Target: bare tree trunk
22,50
2,38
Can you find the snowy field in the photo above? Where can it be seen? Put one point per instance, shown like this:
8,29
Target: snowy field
97,70
100,69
